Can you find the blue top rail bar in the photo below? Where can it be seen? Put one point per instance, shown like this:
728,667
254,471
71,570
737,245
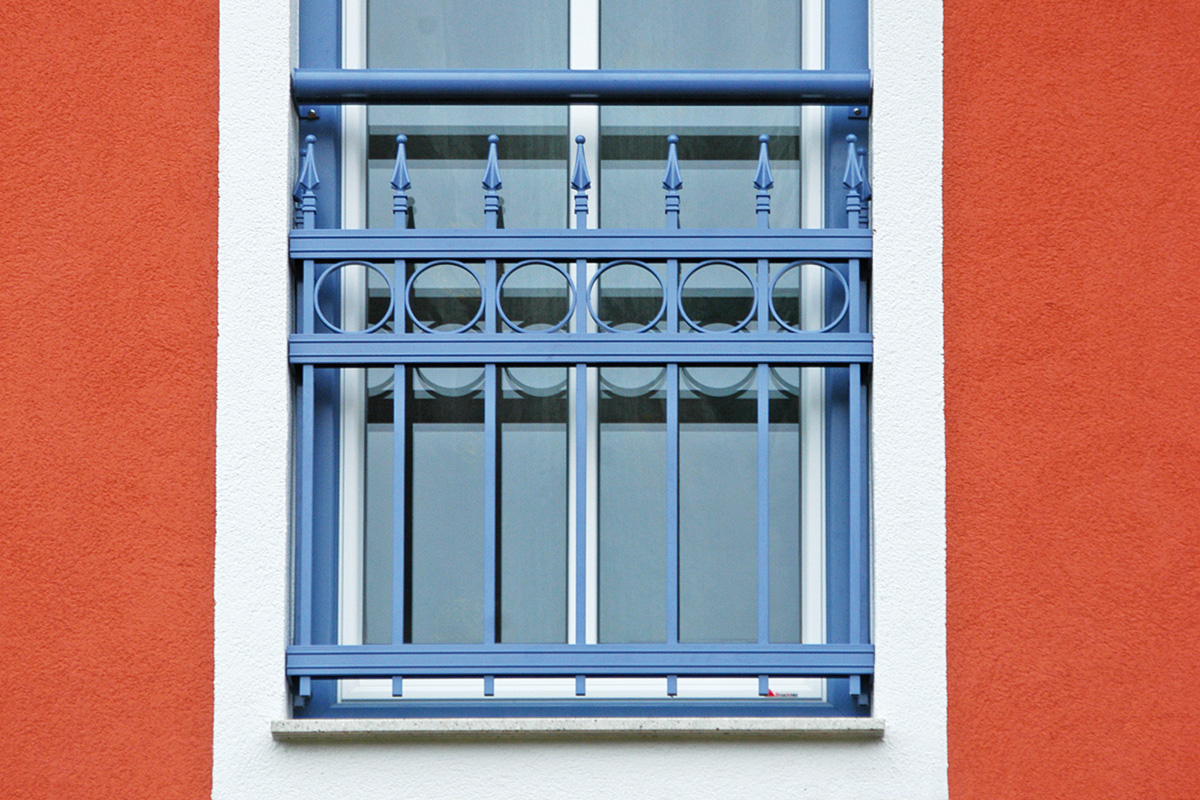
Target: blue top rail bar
554,87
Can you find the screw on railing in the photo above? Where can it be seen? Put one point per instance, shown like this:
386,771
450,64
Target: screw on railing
763,181
853,181
672,182
400,185
492,185
580,182
298,191
863,214
307,183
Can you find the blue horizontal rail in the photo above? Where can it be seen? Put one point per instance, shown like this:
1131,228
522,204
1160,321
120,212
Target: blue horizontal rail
348,349
550,87
388,243
368,661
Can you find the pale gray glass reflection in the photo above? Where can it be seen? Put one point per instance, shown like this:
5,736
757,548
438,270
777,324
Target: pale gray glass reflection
446,507
718,154
378,491
447,145
447,151
718,501
532,550
467,34
718,147
700,34
784,435
632,505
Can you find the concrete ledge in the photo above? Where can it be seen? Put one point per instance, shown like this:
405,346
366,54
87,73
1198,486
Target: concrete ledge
802,728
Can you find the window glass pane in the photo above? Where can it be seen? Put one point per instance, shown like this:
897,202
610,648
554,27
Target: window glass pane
718,154
446,508
447,151
377,509
533,505
447,145
632,504
467,34
699,34
718,501
783,446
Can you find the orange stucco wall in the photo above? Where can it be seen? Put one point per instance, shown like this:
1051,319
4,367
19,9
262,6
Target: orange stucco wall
1072,289
108,217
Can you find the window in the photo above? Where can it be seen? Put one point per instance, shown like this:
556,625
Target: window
582,442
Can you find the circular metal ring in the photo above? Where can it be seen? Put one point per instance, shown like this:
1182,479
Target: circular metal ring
723,391
636,391
408,287
316,301
662,309
457,391
500,295
827,267
753,294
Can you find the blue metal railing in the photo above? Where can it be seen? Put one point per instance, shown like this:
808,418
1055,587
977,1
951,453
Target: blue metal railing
765,338
558,87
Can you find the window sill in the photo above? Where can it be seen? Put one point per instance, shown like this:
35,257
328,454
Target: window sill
800,728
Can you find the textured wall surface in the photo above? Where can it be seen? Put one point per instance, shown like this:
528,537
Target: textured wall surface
1073,432
107,398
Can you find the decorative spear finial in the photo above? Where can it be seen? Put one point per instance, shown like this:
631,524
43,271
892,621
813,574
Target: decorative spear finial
491,174
308,182
853,181
866,187
580,182
672,182
763,181
492,184
400,184
298,190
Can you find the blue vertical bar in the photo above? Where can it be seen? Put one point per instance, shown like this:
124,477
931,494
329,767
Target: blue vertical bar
319,44
855,301
672,503
581,497
491,464
304,536
764,530
857,592
399,484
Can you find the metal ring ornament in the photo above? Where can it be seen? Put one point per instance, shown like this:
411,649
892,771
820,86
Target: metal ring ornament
408,287
316,301
829,268
500,296
662,309
753,294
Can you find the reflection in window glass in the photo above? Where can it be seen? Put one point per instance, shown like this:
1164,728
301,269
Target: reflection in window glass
447,145
718,505
445,580
632,507
532,551
699,34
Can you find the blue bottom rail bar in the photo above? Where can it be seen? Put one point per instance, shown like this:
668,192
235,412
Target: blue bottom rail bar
445,661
